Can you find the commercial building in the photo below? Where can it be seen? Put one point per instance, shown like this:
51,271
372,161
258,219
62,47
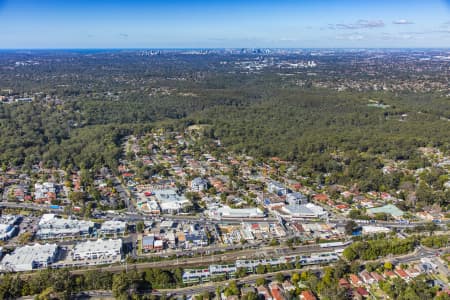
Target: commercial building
8,228
370,229
113,227
305,211
52,226
196,239
28,258
228,212
99,249
170,201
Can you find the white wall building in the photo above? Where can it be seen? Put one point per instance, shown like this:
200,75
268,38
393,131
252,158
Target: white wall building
52,227
296,198
97,249
199,184
42,190
8,227
370,229
228,212
170,201
113,227
305,211
277,188
27,258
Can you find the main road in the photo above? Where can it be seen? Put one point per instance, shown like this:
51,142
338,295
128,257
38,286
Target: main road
132,216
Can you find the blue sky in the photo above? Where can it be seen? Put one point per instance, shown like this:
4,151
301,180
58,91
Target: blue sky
224,23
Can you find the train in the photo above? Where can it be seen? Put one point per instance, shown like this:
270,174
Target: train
229,271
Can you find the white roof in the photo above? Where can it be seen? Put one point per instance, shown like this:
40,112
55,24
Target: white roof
50,221
169,196
22,258
98,246
169,199
113,225
308,209
50,224
47,217
374,229
227,211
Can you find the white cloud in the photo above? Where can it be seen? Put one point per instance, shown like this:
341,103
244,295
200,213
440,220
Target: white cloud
350,37
402,22
360,24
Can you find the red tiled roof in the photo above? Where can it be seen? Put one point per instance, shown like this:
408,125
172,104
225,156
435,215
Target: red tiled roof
389,274
362,291
321,197
376,276
354,279
342,206
344,283
276,293
401,273
365,276
307,295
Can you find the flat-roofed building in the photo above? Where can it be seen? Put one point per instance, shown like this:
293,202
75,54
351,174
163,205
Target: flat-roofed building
28,257
113,227
52,226
228,212
196,239
170,201
305,211
98,249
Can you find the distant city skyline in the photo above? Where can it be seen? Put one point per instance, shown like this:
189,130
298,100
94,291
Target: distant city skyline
224,24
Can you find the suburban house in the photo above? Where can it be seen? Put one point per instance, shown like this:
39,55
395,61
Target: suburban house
355,280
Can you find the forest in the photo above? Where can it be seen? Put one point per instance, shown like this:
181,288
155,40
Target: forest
85,104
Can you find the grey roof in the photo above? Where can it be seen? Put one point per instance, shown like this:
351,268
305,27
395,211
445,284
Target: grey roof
148,240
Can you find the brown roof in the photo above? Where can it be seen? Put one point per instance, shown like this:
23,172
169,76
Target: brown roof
388,273
307,295
344,283
354,279
362,291
401,273
365,276
376,276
